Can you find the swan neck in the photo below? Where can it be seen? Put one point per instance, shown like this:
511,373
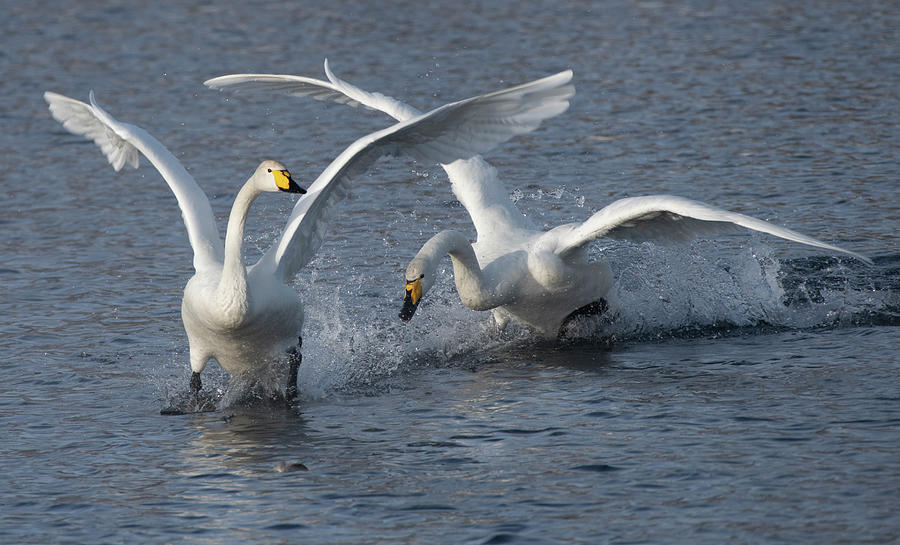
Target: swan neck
463,256
454,243
234,273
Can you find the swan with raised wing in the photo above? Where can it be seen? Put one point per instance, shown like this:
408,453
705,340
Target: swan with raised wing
538,278
245,316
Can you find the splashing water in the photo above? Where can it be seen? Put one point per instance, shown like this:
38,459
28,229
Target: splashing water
659,292
355,346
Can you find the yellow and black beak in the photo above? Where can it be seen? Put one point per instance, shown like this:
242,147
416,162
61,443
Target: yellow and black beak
285,183
412,298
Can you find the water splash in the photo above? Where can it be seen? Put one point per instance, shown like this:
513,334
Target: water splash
706,289
660,289
358,346
355,344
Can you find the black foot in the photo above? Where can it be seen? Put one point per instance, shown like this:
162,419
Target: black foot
598,307
195,403
196,384
295,359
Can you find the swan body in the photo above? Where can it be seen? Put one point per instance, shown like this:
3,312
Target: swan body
541,278
524,282
244,316
537,278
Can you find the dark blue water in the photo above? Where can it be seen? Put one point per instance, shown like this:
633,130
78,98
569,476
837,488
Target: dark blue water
747,394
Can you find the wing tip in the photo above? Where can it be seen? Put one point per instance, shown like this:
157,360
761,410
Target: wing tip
858,256
556,80
50,97
219,83
330,75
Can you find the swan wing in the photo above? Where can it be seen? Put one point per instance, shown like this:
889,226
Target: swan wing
458,130
475,182
662,218
335,90
122,144
299,86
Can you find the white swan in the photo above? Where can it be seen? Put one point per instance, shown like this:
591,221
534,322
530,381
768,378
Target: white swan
537,278
244,316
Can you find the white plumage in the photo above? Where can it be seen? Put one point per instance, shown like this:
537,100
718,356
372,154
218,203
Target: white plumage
538,278
243,316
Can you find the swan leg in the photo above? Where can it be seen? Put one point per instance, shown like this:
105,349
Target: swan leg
501,319
295,358
186,407
196,384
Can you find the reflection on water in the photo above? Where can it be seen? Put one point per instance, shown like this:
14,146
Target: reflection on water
244,441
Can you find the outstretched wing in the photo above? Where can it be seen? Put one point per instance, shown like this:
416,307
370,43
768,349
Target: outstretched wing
661,218
474,181
454,131
121,143
375,101
299,86
336,90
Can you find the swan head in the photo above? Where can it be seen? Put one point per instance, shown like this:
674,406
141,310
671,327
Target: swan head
273,177
411,298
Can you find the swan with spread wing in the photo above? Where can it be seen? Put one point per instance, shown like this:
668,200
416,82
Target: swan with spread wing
537,278
245,316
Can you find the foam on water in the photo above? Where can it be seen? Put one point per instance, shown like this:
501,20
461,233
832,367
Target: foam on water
350,346
660,292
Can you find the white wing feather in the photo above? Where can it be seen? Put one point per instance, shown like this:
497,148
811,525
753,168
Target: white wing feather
299,86
122,143
665,218
376,101
336,91
454,131
473,180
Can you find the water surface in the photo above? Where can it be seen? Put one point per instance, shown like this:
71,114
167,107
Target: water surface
747,393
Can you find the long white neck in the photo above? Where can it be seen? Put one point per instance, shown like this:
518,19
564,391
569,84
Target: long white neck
234,272
470,281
